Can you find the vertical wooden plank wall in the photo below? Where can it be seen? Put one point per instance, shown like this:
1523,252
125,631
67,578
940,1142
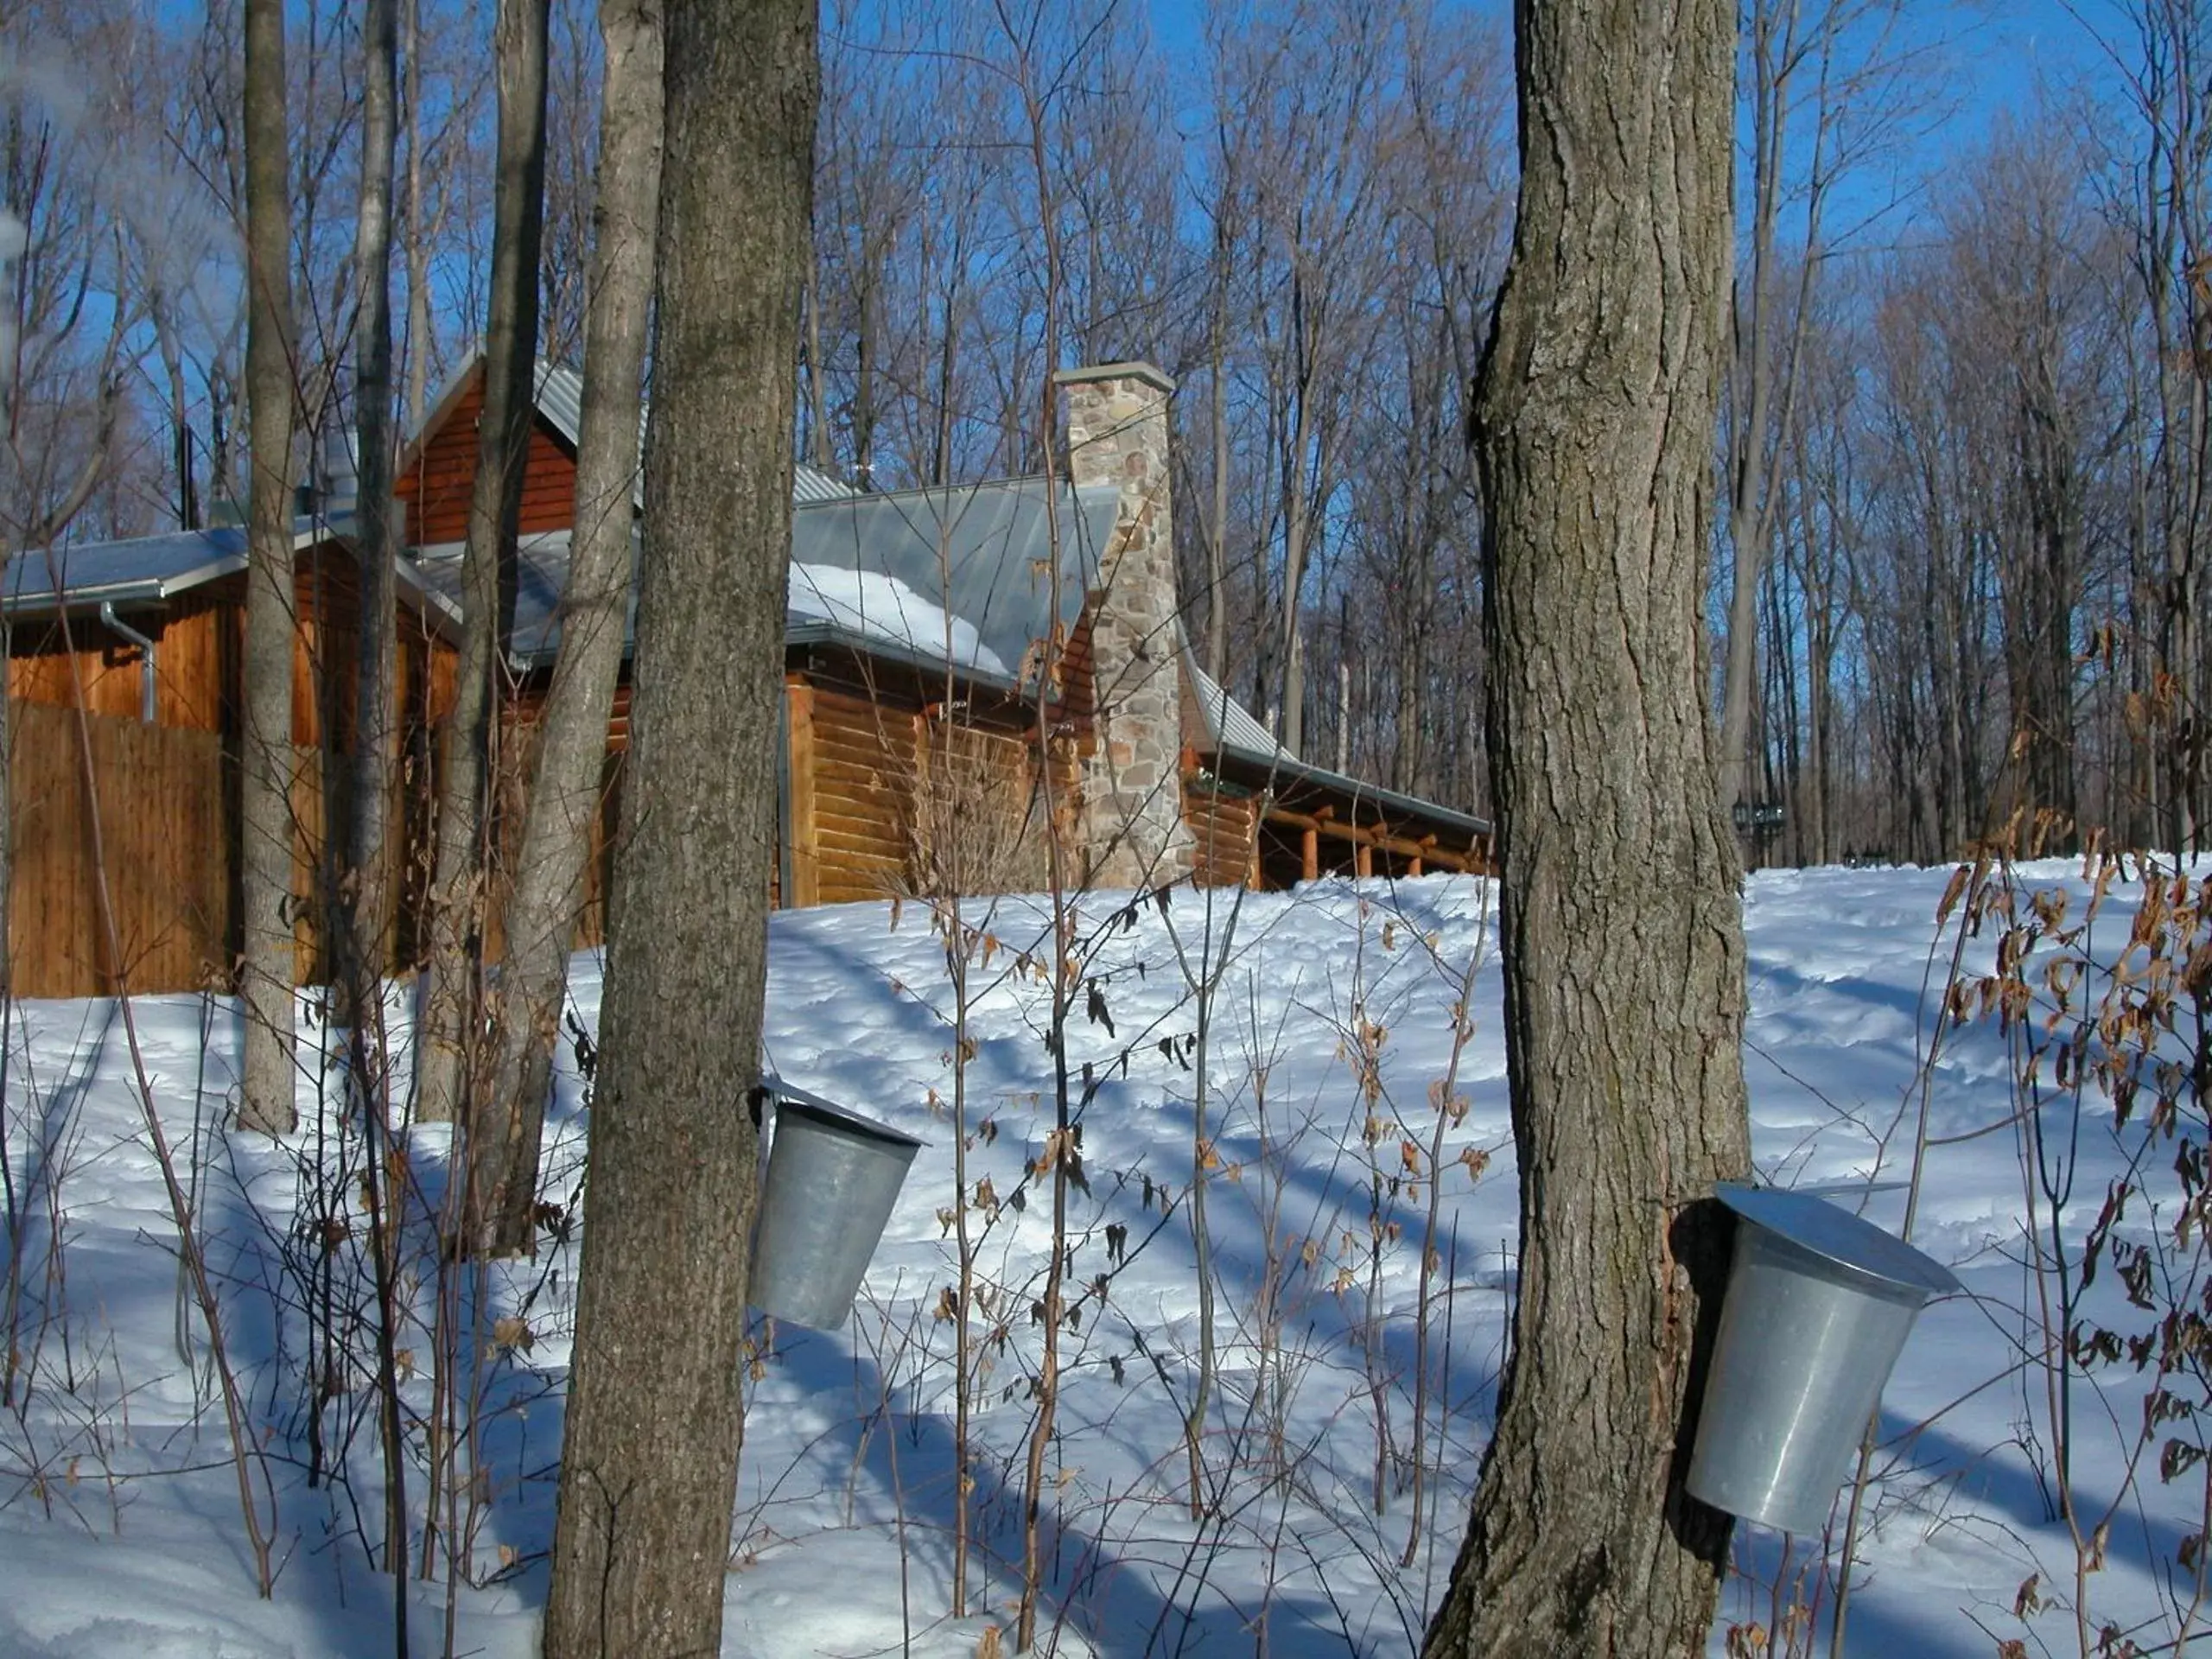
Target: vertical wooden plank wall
168,828
166,823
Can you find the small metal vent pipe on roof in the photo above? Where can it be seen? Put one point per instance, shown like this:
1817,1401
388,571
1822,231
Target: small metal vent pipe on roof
341,472
123,630
332,485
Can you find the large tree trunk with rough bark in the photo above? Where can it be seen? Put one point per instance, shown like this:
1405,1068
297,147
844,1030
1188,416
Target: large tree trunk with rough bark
370,856
655,1417
267,969
1621,933
445,1053
571,741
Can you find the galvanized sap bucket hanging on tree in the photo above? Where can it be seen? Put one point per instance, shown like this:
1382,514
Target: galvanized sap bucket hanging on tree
1819,1304
832,1179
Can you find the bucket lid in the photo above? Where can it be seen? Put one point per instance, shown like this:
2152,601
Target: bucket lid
1838,1235
814,1105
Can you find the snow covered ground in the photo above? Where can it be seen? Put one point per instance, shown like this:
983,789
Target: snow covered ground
1338,1102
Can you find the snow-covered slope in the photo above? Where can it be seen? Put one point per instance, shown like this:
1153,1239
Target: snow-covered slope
1341,1096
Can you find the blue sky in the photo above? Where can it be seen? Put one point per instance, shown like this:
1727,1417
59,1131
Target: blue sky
1987,58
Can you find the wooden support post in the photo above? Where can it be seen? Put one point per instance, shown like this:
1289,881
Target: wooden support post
1413,866
1310,853
1362,860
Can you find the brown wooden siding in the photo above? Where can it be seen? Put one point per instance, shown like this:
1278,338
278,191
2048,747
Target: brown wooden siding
852,825
435,479
1222,826
169,834
169,796
166,822
197,642
520,719
196,656
1078,698
897,799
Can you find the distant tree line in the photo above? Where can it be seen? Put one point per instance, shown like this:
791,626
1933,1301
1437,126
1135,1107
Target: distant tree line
1961,482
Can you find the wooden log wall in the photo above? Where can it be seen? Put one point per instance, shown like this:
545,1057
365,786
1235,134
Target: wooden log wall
1224,826
889,799
852,770
978,820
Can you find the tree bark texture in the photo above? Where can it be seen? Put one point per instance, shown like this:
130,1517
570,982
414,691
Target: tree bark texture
267,970
370,855
1623,943
445,1054
571,744
655,1418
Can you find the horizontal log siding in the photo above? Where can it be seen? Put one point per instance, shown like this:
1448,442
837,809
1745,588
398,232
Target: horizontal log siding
856,823
1223,827
1078,702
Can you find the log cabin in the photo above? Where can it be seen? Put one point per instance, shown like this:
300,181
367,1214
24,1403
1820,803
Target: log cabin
972,675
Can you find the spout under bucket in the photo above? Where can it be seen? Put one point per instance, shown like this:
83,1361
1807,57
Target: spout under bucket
1818,1307
833,1177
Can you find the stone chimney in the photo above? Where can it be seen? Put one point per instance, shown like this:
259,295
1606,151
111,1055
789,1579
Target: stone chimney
1132,830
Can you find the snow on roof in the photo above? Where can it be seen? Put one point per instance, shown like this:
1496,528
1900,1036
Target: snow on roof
1009,559
875,607
882,573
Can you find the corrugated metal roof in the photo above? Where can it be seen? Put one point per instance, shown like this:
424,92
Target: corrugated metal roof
146,568
982,554
1237,735
143,569
561,400
1230,725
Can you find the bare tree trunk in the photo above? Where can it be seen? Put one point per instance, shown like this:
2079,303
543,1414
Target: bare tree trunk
1217,424
457,898
571,745
1623,941
366,883
1296,529
268,966
418,234
655,1420
369,852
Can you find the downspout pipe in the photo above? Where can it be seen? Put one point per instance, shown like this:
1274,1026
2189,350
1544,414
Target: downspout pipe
129,635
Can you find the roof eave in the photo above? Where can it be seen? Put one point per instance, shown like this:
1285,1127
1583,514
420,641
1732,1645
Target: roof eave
822,632
1385,800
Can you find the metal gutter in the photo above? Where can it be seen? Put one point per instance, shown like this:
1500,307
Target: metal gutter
116,626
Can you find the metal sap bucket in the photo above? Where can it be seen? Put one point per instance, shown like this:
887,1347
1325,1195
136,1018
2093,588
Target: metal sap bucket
1818,1304
833,1177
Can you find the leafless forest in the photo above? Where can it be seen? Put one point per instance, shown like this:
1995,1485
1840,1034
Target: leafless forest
1958,567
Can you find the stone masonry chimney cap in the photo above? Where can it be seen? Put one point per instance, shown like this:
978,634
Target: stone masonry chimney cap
1157,378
